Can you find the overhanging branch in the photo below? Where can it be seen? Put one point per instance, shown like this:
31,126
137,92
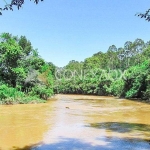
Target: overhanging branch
17,3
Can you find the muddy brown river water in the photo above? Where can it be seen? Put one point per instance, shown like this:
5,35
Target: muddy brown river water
75,122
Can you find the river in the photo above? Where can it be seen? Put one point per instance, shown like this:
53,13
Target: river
76,122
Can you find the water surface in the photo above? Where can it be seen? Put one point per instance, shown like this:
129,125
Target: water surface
75,122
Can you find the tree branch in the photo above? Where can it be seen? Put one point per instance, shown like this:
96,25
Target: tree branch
145,15
17,3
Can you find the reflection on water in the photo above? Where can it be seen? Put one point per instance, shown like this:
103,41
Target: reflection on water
74,122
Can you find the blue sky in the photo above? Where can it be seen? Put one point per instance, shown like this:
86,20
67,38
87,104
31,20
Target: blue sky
64,30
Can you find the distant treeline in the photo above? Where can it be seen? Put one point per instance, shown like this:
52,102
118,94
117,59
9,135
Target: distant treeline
123,72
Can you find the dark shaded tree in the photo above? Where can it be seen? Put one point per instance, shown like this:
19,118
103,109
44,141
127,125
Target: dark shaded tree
145,15
16,3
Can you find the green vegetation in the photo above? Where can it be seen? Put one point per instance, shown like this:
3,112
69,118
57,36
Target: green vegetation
24,76
122,72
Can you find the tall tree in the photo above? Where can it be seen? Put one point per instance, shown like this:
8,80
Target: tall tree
11,54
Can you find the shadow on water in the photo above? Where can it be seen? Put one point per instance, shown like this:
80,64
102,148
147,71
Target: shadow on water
136,100
120,127
103,142
112,143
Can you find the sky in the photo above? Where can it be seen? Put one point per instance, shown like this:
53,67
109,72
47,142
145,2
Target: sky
65,30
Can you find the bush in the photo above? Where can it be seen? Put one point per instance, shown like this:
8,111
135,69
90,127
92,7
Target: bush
9,95
116,88
42,91
136,81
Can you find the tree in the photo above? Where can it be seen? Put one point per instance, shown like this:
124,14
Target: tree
11,56
145,15
23,70
52,68
25,44
113,60
74,66
17,3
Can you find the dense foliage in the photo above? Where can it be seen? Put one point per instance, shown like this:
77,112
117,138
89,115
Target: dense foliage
24,75
122,72
26,78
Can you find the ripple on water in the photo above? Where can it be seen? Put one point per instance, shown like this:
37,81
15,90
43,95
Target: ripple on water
90,123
